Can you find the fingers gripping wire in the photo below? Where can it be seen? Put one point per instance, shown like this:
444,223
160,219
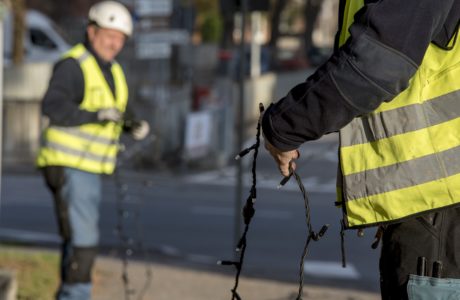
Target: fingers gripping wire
248,209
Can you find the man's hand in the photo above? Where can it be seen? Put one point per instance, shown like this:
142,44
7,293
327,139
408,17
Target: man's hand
283,158
109,114
140,130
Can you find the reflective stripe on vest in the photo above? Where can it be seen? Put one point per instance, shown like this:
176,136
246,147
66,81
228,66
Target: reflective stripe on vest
90,147
404,158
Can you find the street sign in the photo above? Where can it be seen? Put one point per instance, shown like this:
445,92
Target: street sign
157,44
145,8
153,50
172,36
198,131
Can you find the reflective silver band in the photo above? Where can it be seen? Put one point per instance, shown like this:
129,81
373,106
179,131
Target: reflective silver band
87,136
402,175
80,154
401,120
84,56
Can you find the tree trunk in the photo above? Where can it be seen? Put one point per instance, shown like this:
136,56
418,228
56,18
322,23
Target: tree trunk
227,13
311,12
275,30
19,11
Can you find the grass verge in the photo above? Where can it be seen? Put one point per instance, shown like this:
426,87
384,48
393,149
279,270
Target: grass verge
36,271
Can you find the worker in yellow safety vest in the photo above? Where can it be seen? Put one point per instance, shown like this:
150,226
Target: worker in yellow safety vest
392,90
86,107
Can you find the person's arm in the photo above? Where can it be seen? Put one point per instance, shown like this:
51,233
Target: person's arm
388,41
64,95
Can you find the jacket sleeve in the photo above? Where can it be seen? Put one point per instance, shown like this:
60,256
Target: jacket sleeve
64,95
388,41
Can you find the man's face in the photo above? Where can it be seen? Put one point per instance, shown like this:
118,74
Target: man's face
106,42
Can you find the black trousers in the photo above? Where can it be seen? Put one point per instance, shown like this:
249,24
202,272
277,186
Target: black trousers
76,262
435,236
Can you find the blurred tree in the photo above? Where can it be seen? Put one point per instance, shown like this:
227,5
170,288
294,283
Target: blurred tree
19,11
204,6
208,19
277,9
5,5
227,11
311,12
45,6
211,28
60,10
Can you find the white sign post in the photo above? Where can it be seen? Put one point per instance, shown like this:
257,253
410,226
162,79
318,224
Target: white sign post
197,135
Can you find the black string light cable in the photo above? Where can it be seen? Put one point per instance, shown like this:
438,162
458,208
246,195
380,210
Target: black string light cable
122,213
143,249
248,209
127,243
311,235
124,239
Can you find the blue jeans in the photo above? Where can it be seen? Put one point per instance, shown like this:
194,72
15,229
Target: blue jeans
77,198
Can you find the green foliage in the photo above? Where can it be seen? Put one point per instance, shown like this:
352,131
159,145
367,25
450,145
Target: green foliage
204,6
211,28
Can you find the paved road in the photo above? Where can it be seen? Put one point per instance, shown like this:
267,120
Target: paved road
189,218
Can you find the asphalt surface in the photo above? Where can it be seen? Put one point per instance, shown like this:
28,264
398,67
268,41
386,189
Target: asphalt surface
185,222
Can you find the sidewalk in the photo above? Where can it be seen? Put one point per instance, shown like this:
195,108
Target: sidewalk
174,283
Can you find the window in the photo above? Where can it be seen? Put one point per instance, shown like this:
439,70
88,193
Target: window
40,39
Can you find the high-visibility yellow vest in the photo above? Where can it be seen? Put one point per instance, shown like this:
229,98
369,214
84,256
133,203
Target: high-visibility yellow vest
89,147
403,159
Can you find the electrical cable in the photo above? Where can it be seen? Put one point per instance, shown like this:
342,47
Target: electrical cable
126,241
311,234
248,209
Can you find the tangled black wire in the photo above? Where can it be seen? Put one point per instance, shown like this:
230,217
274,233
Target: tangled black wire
249,211
311,234
128,242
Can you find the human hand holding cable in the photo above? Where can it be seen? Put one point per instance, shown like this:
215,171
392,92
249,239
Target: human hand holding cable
109,114
140,130
284,159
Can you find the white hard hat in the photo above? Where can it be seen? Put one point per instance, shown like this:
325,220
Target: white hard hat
112,15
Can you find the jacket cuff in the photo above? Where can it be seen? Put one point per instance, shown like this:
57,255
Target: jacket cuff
272,137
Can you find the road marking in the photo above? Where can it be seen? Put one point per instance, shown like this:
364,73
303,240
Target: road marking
325,269
202,259
28,236
230,212
226,177
169,250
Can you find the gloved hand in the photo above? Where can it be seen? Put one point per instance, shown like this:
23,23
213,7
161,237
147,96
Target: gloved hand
109,114
140,130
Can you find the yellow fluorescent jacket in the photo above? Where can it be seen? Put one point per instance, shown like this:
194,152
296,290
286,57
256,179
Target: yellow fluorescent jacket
90,147
404,158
